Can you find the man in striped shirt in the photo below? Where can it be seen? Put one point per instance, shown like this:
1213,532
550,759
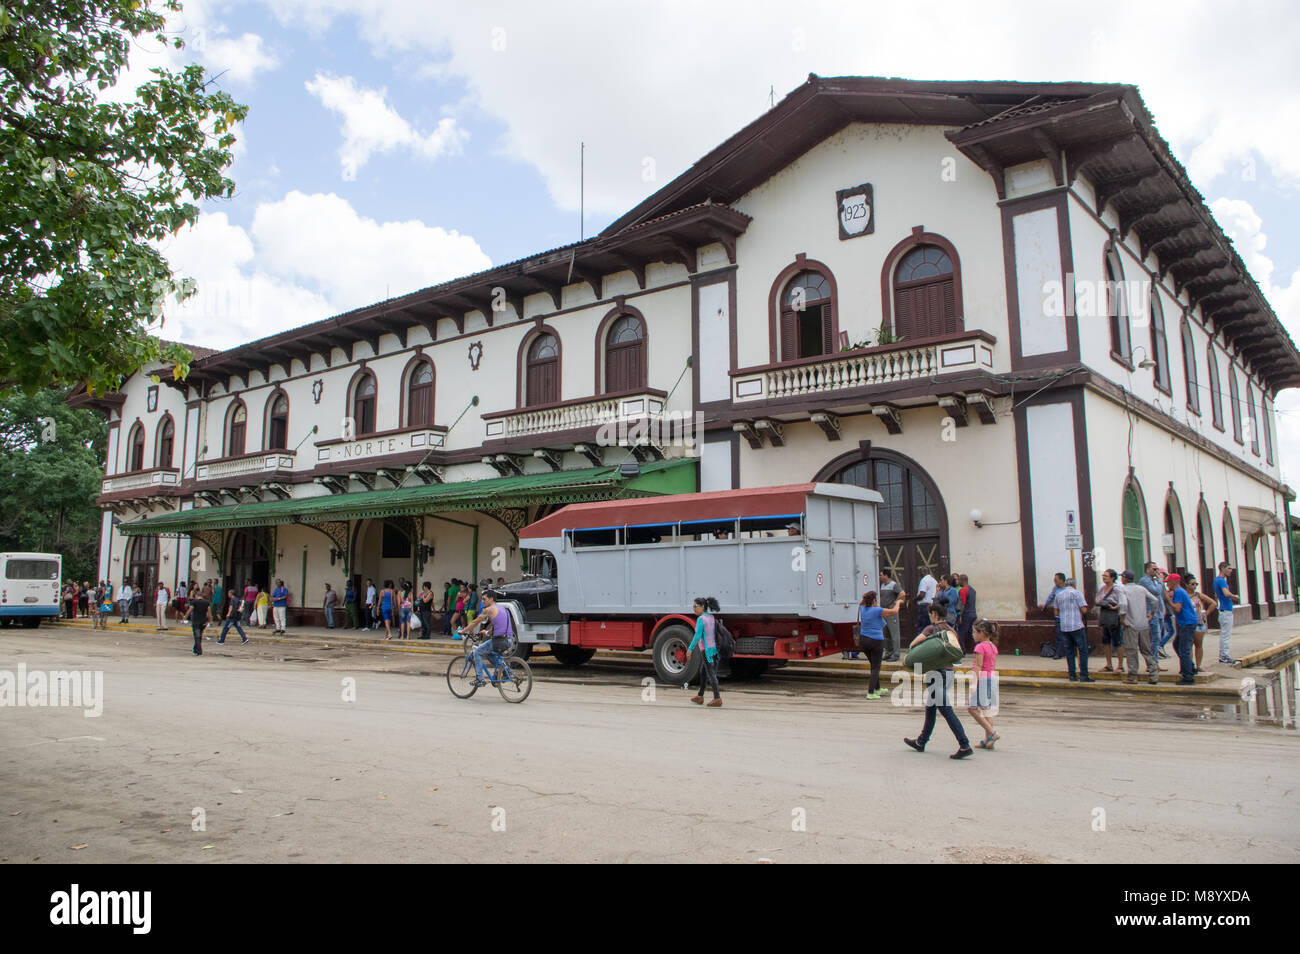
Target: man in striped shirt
1069,607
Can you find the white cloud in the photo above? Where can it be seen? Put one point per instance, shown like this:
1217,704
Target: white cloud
371,125
670,82
238,58
306,257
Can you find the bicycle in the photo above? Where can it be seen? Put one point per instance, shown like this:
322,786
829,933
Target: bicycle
511,675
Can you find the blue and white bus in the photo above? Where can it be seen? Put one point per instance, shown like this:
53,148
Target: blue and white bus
30,585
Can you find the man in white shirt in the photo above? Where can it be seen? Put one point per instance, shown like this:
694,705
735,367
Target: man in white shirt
372,610
924,597
1137,608
124,597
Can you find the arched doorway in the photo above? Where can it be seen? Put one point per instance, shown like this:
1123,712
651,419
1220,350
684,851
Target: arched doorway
1176,554
250,558
1135,528
912,520
142,569
1205,546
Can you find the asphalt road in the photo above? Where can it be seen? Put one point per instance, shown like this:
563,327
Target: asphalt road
264,751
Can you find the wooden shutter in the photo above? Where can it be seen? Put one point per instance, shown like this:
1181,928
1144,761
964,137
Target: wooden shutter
828,333
789,336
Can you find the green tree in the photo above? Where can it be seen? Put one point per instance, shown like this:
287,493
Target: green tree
51,465
87,185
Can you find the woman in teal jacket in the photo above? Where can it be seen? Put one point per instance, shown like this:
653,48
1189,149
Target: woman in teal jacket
704,608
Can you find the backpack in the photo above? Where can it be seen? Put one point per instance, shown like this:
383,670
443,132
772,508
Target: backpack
1049,651
723,640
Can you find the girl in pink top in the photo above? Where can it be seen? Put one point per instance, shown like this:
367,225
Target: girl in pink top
984,702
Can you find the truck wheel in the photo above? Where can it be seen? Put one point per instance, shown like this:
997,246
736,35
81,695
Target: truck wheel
522,650
745,670
571,655
31,622
669,648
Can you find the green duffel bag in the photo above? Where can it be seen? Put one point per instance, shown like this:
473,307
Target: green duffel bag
939,650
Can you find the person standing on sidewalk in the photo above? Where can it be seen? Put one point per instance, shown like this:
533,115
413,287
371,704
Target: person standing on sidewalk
1049,604
1151,582
924,597
890,594
97,607
966,623
704,608
232,619
872,620
938,690
1181,600
160,606
124,596
1226,599
1112,632
280,605
1070,607
331,600
350,606
1137,610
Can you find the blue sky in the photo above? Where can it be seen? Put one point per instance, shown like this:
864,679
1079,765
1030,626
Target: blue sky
487,103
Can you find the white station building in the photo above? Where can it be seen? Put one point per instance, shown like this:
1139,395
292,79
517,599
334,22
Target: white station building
1003,306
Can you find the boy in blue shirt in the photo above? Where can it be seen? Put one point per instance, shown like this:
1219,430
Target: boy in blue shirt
1185,636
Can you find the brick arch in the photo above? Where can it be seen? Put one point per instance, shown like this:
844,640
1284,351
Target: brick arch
621,310
918,238
801,263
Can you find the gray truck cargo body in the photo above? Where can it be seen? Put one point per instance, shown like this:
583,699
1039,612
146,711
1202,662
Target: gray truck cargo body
820,573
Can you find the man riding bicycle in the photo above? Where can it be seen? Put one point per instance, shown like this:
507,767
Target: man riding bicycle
498,617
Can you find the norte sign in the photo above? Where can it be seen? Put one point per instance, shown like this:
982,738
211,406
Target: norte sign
378,445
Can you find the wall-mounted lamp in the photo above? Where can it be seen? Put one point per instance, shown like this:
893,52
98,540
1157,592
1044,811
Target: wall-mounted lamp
426,551
279,554
1146,364
334,555
977,518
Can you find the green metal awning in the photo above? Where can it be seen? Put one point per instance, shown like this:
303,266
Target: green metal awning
565,486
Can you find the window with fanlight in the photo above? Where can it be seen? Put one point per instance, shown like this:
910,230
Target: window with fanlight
363,405
542,371
278,424
625,355
925,302
166,442
236,430
135,448
419,397
807,317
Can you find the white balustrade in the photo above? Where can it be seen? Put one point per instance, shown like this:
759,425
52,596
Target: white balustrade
568,417
141,481
240,466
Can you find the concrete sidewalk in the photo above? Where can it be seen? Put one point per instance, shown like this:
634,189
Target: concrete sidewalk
1259,644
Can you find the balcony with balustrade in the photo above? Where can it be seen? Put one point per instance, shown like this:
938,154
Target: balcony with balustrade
142,482
576,418
862,370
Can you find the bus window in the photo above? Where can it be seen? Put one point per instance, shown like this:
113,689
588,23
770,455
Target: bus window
601,537
778,525
702,530
651,533
19,569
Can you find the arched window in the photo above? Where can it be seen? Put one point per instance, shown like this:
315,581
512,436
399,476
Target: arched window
1234,399
807,317
363,405
1159,342
1189,368
1216,388
135,448
625,357
925,304
277,423
1135,528
542,371
419,395
1252,420
166,442
1117,308
235,430
1266,421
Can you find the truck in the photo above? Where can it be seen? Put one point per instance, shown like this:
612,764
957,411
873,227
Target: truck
30,588
787,564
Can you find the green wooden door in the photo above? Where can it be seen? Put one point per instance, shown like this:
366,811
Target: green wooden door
1135,549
